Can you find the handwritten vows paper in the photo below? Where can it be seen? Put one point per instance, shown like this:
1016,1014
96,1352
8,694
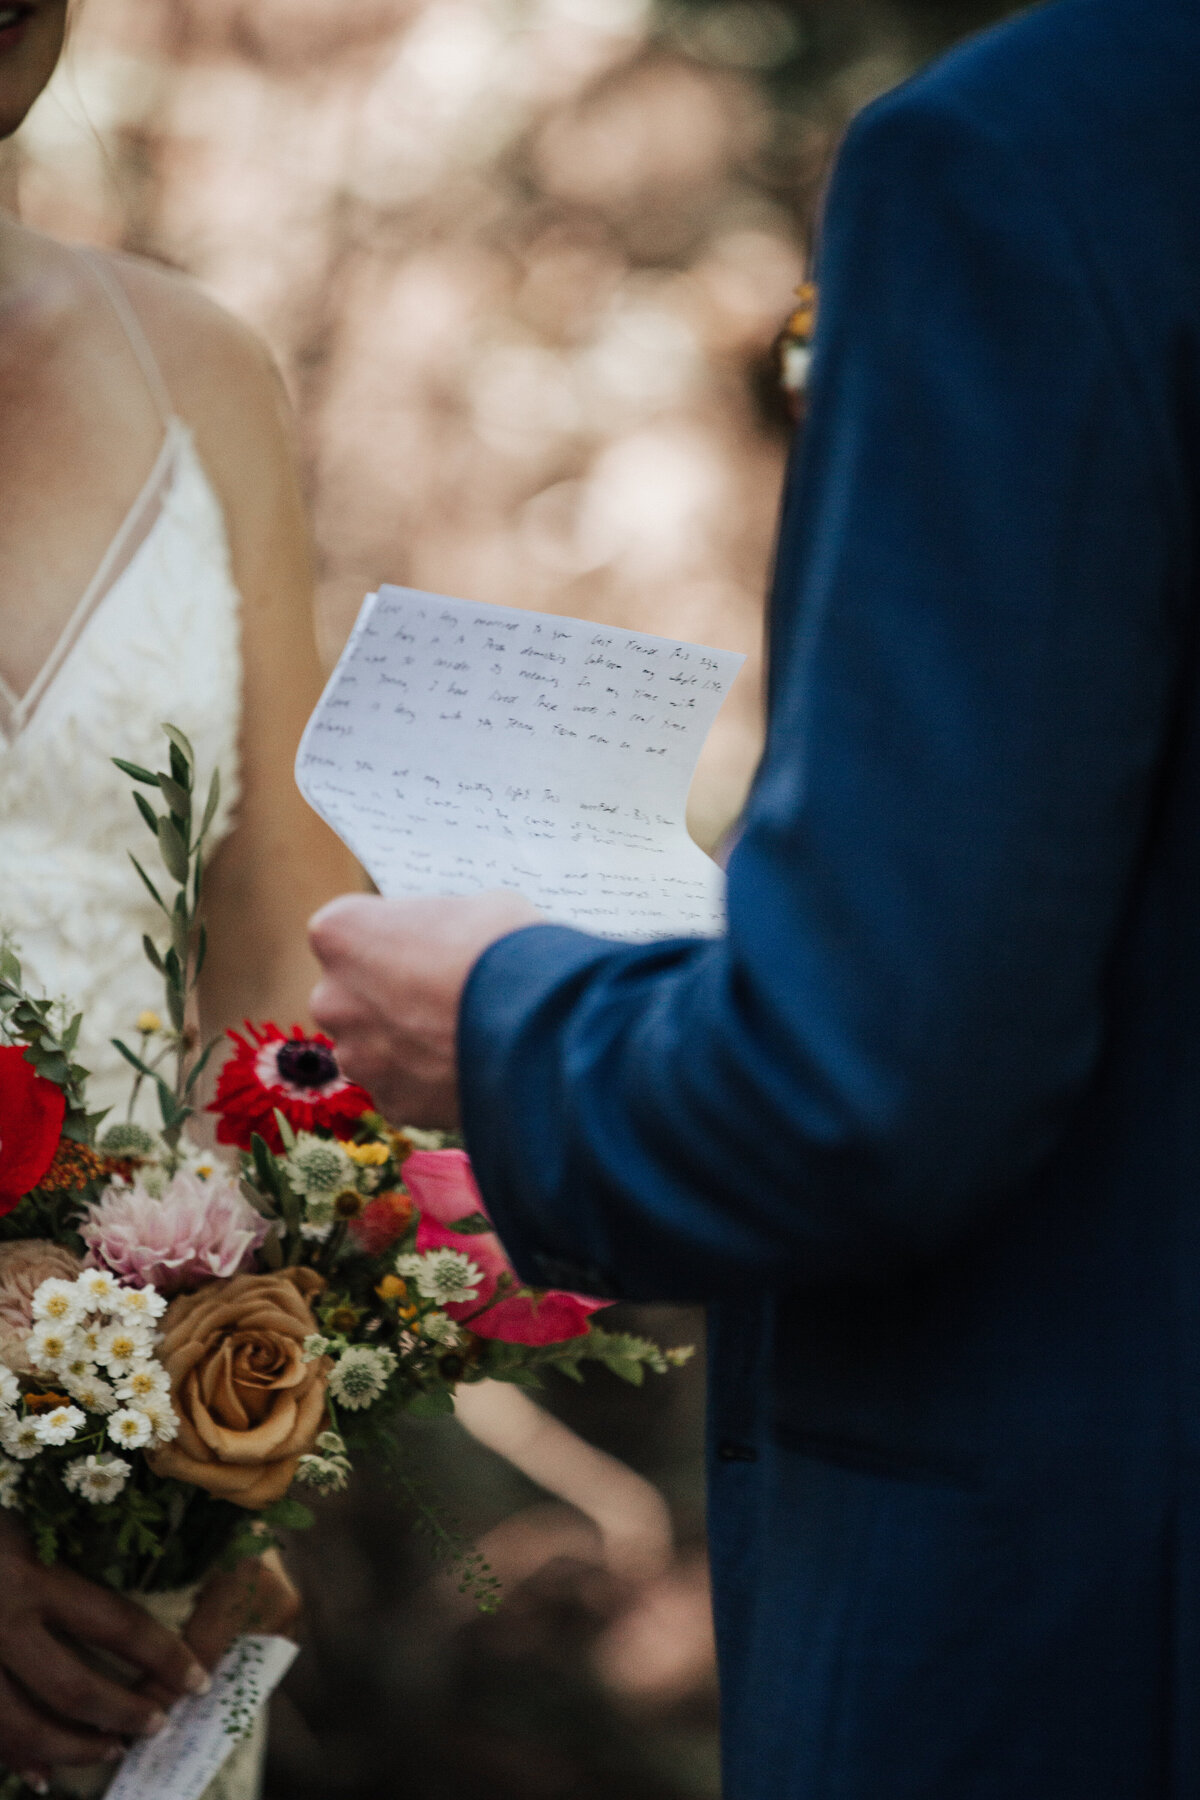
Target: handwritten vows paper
459,747
202,1731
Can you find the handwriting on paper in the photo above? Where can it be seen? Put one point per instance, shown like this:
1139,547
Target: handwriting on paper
460,747
202,1731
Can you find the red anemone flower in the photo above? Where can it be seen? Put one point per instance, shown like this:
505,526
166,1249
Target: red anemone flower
297,1074
32,1110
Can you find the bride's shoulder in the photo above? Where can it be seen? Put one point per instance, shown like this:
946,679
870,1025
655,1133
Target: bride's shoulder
224,384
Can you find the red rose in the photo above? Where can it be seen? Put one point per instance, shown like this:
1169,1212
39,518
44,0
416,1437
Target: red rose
32,1110
297,1074
441,1183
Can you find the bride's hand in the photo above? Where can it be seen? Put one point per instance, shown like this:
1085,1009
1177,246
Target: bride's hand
54,1707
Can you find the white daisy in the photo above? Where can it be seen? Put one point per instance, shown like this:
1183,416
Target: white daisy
314,1346
58,1302
98,1479
10,1482
59,1426
51,1345
89,1336
10,1387
130,1429
161,1417
19,1437
91,1390
145,1382
360,1376
123,1345
101,1290
142,1306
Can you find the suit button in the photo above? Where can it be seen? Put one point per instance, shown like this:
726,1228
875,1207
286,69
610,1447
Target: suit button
730,1451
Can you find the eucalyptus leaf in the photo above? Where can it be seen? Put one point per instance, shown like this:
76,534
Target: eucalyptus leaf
173,849
177,798
153,891
136,771
181,744
201,1064
214,798
147,811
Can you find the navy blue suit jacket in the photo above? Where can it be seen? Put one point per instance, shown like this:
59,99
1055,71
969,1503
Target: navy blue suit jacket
924,1126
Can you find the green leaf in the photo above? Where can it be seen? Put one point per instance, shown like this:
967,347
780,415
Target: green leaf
147,811
177,798
201,953
288,1515
143,1068
152,955
439,1404
71,1035
181,744
517,1376
173,849
136,771
154,893
286,1133
201,1063
472,1225
210,809
265,1167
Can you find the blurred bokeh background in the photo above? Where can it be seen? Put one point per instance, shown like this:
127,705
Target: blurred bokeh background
522,263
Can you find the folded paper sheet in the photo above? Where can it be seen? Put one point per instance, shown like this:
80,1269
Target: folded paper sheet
460,747
202,1732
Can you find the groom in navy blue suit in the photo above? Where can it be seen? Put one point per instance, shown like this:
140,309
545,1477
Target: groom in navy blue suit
924,1126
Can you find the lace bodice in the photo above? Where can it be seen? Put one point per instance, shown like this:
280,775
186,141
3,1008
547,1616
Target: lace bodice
158,640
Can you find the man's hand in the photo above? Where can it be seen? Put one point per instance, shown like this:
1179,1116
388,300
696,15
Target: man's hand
55,1708
258,1595
394,976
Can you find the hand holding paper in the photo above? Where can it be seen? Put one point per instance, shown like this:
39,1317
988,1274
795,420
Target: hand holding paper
461,747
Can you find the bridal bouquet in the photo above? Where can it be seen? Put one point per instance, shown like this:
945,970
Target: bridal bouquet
189,1345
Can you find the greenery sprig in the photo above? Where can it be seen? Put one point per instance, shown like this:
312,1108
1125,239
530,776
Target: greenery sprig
49,1047
179,961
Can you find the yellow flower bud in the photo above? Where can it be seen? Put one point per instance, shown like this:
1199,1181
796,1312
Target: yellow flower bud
149,1022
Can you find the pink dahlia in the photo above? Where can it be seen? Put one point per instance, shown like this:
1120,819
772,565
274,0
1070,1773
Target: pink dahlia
441,1183
297,1076
199,1231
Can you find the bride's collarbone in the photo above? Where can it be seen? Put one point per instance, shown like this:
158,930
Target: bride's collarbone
79,436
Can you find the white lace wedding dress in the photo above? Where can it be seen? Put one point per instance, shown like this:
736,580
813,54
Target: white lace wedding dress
155,637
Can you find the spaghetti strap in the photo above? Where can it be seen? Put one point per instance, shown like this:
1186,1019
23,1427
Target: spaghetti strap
131,325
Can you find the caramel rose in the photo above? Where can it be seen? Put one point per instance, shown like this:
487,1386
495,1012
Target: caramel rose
249,1406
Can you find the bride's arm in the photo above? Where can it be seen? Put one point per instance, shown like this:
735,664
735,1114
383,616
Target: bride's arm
280,861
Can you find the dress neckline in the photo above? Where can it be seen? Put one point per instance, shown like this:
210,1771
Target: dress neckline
144,514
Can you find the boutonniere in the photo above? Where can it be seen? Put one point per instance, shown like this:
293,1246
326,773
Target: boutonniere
794,349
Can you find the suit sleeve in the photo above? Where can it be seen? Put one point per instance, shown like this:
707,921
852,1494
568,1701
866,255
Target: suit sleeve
976,623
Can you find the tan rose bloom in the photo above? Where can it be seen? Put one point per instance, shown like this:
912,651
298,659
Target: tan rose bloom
249,1406
24,1265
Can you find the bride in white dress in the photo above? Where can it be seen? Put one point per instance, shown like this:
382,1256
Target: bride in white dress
153,566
